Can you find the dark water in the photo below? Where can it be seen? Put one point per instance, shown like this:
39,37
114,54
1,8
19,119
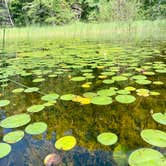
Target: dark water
84,122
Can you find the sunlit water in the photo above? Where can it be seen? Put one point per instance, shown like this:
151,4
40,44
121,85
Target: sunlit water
84,122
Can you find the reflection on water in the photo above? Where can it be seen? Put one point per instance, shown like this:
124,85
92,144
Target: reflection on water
84,122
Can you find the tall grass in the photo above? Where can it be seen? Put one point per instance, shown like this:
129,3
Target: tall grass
115,31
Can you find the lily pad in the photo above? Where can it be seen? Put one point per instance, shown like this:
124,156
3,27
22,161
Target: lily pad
101,100
107,138
154,137
108,81
152,93
32,89
78,79
18,90
160,118
35,108
4,103
38,80
119,78
89,94
50,97
146,157
143,82
13,136
125,99
15,121
5,149
106,92
139,77
36,128
67,97
130,88
65,143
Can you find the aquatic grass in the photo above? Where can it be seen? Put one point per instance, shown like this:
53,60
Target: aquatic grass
116,31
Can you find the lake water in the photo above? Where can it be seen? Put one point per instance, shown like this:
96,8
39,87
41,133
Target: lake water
51,67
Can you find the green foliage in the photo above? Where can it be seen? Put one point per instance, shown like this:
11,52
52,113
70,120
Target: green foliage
60,12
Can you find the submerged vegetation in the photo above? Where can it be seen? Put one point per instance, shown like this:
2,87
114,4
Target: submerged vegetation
83,83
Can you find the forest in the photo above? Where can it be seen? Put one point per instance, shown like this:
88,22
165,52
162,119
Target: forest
60,12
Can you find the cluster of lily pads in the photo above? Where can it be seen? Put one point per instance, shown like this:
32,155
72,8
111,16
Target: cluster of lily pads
112,71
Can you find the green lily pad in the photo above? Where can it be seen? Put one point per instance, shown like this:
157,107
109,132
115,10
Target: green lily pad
65,143
13,136
35,108
67,97
4,103
32,89
154,137
143,82
89,94
38,80
36,128
101,100
78,79
49,103
160,118
18,90
107,138
106,92
123,92
139,77
108,81
158,82
5,149
50,97
146,157
130,88
15,121
119,78
143,92
125,99
152,93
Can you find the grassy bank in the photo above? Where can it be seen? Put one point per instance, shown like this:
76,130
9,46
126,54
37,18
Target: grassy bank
140,30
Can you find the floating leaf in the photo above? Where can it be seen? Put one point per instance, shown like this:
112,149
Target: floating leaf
139,77
32,89
154,93
119,78
158,82
38,80
143,82
101,100
123,92
65,143
107,138
130,88
106,92
125,99
78,79
154,137
13,136
5,149
160,118
4,103
36,128
35,108
50,97
18,90
108,81
89,94
146,157
15,121
67,97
